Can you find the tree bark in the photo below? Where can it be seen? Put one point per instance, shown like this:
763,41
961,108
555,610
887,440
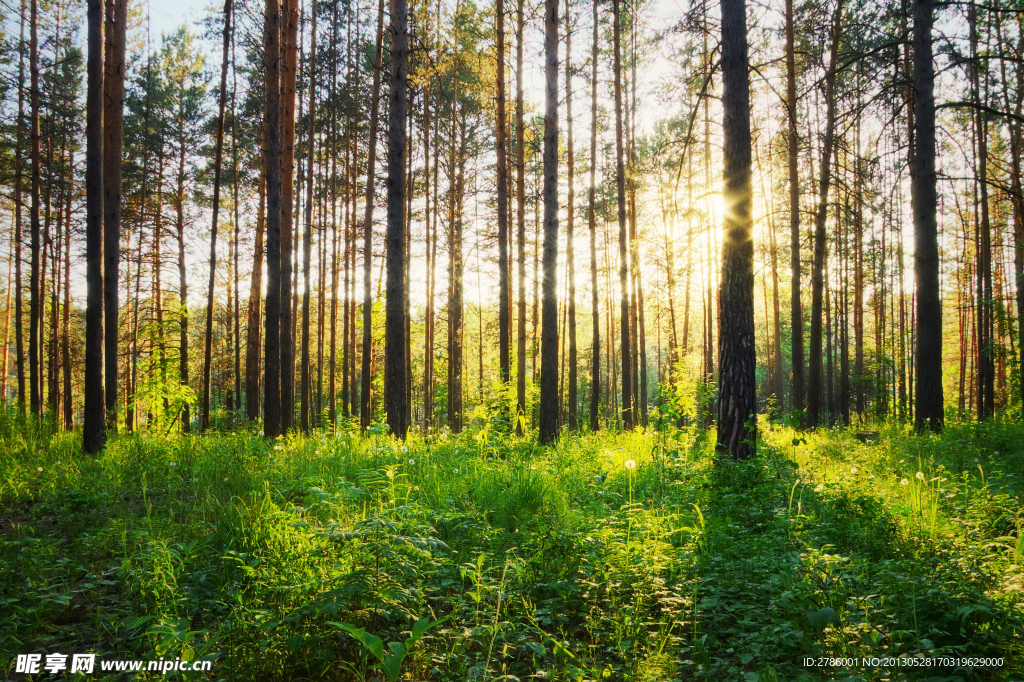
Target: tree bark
620,171
289,55
217,160
365,402
548,422
272,406
814,386
113,124
796,310
252,328
395,382
35,309
928,399
595,368
19,170
94,435
504,314
986,313
570,246
307,236
737,390
520,415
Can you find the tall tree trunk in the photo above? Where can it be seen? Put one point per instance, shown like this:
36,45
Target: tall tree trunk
928,399
520,415
113,124
814,386
365,402
35,302
640,332
737,399
504,314
7,318
455,262
796,310
234,188
307,236
548,421
395,331
595,368
252,327
19,170
986,312
570,247
66,319
158,295
289,56
94,435
858,269
428,316
186,416
1016,150
272,405
620,172
217,160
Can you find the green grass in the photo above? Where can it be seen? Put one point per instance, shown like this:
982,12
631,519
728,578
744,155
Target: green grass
558,564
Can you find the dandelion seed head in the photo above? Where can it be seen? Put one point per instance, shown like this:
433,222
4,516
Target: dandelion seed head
39,469
411,461
919,475
904,482
630,464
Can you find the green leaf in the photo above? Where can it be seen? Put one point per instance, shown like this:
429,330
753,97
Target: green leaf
392,667
821,618
372,642
136,622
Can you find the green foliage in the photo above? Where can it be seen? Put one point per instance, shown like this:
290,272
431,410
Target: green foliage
391,662
638,556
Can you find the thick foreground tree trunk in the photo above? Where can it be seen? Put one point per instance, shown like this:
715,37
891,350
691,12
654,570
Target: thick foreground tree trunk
113,124
928,399
737,388
395,380
94,434
549,313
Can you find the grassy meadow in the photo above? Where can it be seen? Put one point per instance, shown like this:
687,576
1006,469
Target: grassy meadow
636,556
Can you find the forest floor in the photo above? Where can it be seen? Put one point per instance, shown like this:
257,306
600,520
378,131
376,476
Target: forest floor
608,557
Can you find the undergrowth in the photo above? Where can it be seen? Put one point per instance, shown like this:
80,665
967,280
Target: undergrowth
636,556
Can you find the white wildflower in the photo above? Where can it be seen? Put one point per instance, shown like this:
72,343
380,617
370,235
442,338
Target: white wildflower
919,475
904,482
630,464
